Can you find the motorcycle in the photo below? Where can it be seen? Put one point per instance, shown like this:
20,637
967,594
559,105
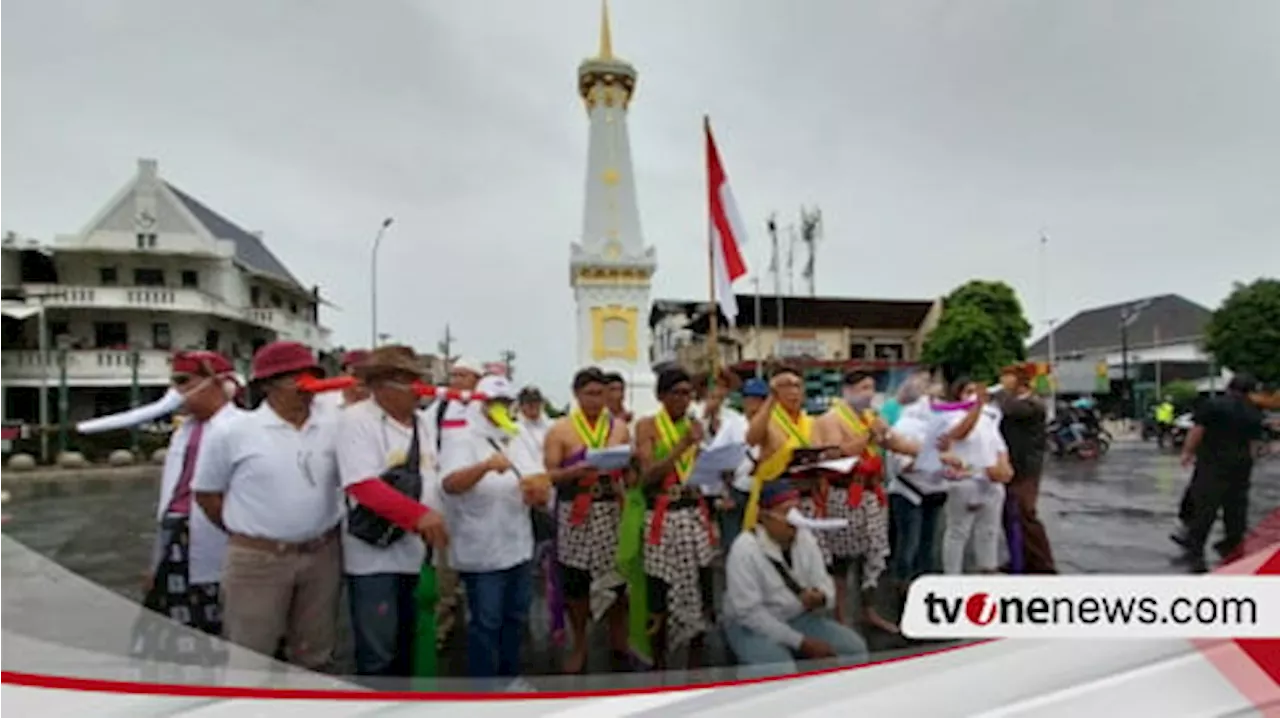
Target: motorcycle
1181,427
1093,442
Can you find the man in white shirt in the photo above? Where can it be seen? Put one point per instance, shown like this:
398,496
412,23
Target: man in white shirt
187,561
733,504
778,593
492,535
377,464
533,419
915,498
450,419
269,478
976,466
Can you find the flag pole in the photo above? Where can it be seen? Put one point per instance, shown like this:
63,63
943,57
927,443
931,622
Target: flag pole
713,339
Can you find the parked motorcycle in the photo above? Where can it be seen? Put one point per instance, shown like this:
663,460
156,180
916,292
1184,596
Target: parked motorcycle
1061,443
1181,427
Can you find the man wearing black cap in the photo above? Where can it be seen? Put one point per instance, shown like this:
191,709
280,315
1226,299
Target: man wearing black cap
1221,447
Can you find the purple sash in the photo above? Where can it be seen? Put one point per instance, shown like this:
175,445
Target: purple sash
555,586
1013,532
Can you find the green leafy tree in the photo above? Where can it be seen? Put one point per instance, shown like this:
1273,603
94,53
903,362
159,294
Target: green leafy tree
969,340
1244,333
982,329
1182,393
1000,302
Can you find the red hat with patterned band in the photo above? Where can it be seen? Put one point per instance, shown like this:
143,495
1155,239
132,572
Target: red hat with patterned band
279,358
201,363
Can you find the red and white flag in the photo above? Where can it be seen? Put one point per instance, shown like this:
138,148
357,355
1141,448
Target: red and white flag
727,233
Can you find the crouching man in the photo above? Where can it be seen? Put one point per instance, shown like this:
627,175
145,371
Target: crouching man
778,593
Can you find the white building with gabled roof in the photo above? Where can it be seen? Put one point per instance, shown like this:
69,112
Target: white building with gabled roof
155,270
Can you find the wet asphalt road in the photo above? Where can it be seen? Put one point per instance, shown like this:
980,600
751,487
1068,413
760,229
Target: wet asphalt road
1113,515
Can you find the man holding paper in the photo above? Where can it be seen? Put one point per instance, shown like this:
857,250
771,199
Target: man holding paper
588,512
679,541
858,495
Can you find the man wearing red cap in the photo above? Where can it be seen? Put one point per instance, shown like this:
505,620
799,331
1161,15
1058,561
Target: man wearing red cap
270,478
189,549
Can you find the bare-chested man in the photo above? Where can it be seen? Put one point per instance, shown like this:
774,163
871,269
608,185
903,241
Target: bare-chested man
779,427
588,511
858,496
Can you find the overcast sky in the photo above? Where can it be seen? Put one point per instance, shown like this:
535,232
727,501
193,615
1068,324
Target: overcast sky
938,137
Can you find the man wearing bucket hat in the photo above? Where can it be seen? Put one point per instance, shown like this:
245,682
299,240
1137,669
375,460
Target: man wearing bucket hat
377,439
269,477
189,550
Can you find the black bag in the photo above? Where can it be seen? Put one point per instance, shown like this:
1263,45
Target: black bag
406,478
544,526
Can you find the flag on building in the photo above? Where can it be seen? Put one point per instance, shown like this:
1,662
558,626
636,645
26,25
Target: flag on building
727,233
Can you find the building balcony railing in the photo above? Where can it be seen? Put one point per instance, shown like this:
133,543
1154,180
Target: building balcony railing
86,367
179,299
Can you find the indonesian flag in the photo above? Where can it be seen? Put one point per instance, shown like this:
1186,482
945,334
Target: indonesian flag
727,233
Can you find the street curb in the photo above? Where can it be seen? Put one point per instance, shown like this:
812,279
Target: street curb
61,483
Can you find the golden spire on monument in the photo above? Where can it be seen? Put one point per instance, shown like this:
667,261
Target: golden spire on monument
605,79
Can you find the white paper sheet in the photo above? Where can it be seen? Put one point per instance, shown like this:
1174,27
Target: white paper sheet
711,464
840,466
610,459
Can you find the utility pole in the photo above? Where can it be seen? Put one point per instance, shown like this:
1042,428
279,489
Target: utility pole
135,397
776,267
64,396
1128,315
373,283
508,357
445,346
810,233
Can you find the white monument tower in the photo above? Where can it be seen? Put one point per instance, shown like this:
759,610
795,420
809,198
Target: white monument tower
610,268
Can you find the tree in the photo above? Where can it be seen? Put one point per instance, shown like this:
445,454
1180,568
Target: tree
1244,333
1000,302
982,329
969,340
1183,393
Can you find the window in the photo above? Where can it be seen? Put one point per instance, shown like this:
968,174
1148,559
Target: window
110,335
255,296
211,340
151,241
146,241
160,338
57,329
889,352
190,279
142,241
275,300
108,276
293,307
857,350
144,277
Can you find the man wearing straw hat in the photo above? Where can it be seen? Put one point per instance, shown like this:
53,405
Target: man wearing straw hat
269,478
376,437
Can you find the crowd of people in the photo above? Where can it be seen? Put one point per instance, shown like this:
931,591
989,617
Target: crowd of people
267,515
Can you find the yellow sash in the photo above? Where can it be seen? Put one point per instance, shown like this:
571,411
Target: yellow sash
669,435
859,425
799,435
592,437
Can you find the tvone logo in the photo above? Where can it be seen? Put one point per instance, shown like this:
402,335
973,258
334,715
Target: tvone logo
980,609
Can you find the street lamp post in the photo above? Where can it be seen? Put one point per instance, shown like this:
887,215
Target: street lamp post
373,282
1128,315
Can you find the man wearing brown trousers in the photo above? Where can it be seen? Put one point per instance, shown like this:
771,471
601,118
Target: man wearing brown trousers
269,478
1023,428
